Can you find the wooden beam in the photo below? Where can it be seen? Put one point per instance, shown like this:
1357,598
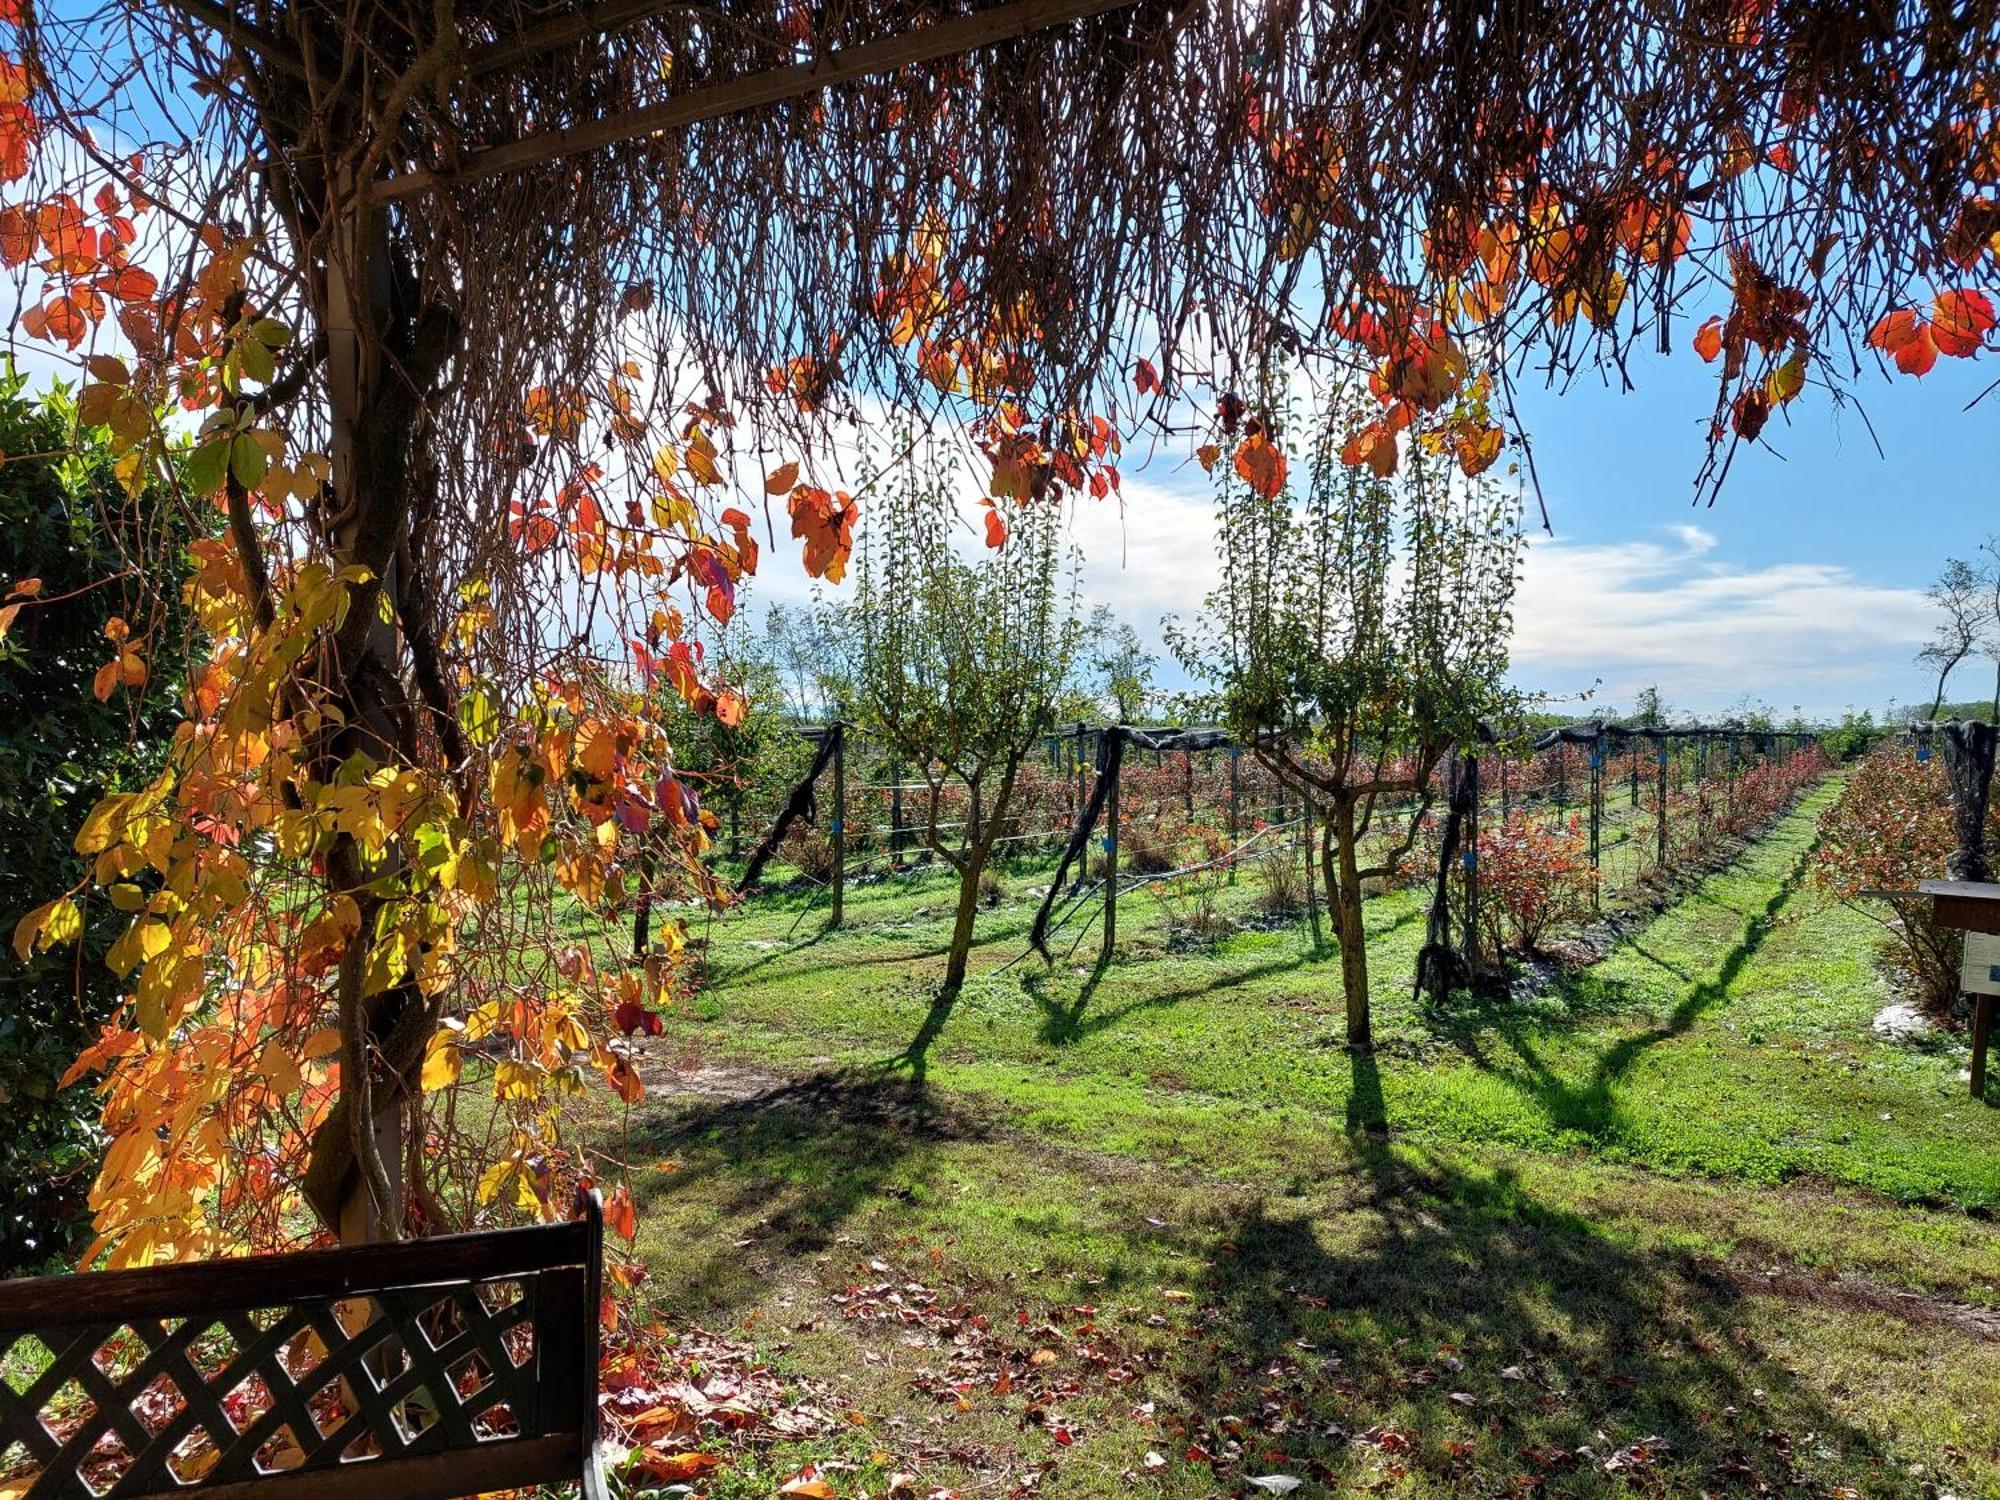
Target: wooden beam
882,55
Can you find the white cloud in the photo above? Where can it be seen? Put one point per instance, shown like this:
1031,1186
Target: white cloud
1708,630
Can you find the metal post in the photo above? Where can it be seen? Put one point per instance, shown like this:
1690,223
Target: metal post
839,825
1187,789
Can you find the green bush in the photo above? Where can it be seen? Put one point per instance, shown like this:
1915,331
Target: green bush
64,520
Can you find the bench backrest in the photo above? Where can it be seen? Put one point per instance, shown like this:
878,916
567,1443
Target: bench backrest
438,1367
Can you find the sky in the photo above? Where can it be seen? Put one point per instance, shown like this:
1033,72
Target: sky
1801,588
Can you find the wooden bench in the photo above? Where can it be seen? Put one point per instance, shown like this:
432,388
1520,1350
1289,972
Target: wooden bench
411,1371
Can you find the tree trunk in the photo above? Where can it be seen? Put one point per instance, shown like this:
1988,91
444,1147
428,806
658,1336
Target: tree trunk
1344,895
983,828
961,927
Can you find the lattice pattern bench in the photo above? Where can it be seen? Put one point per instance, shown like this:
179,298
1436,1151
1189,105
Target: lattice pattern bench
412,1371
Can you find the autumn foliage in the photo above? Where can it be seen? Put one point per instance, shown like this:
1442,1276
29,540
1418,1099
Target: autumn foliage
1892,828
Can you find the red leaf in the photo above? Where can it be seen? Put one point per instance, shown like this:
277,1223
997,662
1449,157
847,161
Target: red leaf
1146,379
996,529
1962,320
1753,410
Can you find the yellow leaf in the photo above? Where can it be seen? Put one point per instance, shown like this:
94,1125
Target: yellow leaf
442,1062
1786,380
53,922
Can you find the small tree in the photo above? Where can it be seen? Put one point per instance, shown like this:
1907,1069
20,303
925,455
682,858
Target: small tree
960,667
1121,667
1961,597
1359,632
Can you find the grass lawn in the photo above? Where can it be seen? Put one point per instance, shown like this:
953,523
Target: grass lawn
1680,1224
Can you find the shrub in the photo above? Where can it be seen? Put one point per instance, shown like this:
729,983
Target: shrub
1891,828
1534,876
1193,901
1281,885
68,524
991,887
810,852
1150,846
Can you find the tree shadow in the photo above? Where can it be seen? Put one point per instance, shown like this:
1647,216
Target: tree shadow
1066,1022
1590,1106
915,1058
1448,1322
768,1178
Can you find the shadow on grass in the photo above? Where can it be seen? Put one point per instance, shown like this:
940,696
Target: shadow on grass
1448,1323
1590,1106
772,1177
1068,1021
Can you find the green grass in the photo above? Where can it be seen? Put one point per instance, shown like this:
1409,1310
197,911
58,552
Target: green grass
1686,1194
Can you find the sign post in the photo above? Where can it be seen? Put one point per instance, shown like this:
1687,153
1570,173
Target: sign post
1973,907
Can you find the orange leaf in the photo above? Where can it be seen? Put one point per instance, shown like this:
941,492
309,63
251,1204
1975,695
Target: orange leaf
1708,340
17,235
620,1216
1918,355
1478,449
996,529
1261,464
781,480
676,1467
1206,455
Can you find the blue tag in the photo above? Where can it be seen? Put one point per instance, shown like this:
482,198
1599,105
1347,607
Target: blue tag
1923,753
1596,760
1471,859
834,826
1110,844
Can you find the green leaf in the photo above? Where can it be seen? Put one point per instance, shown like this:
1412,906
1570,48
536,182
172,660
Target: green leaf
206,466
248,461
258,365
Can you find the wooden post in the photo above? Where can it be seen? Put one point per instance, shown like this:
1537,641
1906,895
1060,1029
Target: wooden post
1235,807
1662,831
1596,814
1471,862
838,827
1187,786
895,812
1982,1029
1633,743
1110,850
1081,791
